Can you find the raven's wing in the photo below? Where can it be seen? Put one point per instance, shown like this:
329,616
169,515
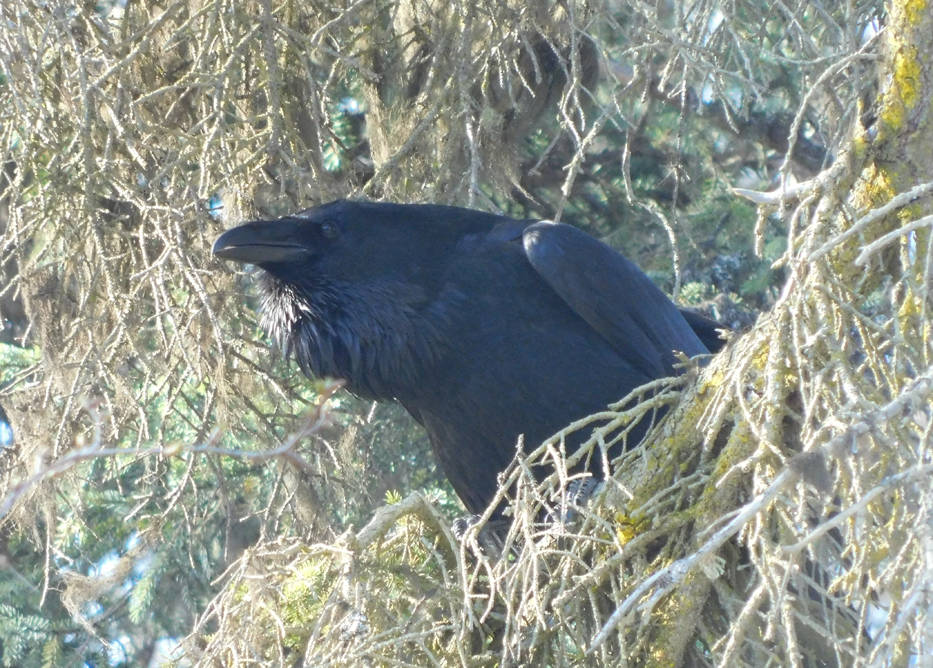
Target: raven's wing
706,329
612,295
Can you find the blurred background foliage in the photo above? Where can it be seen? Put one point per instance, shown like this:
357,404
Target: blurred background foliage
133,133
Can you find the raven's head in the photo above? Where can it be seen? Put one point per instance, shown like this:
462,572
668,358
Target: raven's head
352,288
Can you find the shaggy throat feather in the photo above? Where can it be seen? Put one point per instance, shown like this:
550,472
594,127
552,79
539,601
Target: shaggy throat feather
365,335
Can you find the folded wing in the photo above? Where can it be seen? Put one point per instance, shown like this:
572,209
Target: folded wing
613,295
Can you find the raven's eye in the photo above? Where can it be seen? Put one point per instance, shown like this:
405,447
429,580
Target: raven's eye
329,229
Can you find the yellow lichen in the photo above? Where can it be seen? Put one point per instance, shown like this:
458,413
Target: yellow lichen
911,306
901,96
911,314
902,92
876,188
628,527
914,11
713,381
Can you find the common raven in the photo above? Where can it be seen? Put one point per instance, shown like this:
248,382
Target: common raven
484,327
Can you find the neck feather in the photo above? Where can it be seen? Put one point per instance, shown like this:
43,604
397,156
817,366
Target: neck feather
381,339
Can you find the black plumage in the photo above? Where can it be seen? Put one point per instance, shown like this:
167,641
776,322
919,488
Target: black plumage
483,327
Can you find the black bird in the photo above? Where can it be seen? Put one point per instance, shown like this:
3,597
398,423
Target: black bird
483,327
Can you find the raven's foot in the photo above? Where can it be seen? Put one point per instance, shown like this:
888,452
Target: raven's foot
490,538
578,495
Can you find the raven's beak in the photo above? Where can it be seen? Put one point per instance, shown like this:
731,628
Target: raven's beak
261,242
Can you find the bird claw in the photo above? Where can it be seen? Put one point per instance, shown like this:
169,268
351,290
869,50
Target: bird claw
462,524
578,495
489,538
